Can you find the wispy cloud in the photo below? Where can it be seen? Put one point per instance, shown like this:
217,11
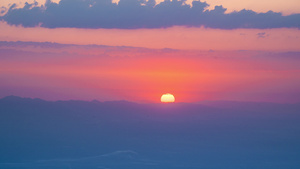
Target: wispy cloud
128,153
133,14
261,35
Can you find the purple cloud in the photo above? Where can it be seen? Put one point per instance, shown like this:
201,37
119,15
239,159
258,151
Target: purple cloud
134,14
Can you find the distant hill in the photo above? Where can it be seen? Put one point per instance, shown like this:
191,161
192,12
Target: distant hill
118,135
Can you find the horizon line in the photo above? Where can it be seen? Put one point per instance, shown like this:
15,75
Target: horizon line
148,102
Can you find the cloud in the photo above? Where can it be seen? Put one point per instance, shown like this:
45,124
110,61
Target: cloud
261,35
2,10
128,153
133,14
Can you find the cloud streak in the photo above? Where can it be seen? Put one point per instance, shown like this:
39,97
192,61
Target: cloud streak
135,14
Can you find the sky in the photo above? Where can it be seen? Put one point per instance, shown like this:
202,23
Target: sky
137,50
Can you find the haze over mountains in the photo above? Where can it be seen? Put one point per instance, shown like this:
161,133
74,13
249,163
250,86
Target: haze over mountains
118,135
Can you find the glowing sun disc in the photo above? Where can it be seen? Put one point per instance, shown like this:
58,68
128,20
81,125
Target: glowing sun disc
167,98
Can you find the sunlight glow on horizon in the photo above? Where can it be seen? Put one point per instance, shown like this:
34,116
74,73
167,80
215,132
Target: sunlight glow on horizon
54,72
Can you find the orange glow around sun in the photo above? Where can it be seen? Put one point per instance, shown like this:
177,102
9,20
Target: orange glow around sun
167,98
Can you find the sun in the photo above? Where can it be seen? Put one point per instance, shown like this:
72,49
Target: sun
167,98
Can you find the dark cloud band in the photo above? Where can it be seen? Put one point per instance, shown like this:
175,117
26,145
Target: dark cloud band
134,14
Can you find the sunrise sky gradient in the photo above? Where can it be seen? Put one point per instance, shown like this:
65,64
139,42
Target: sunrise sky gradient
88,53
